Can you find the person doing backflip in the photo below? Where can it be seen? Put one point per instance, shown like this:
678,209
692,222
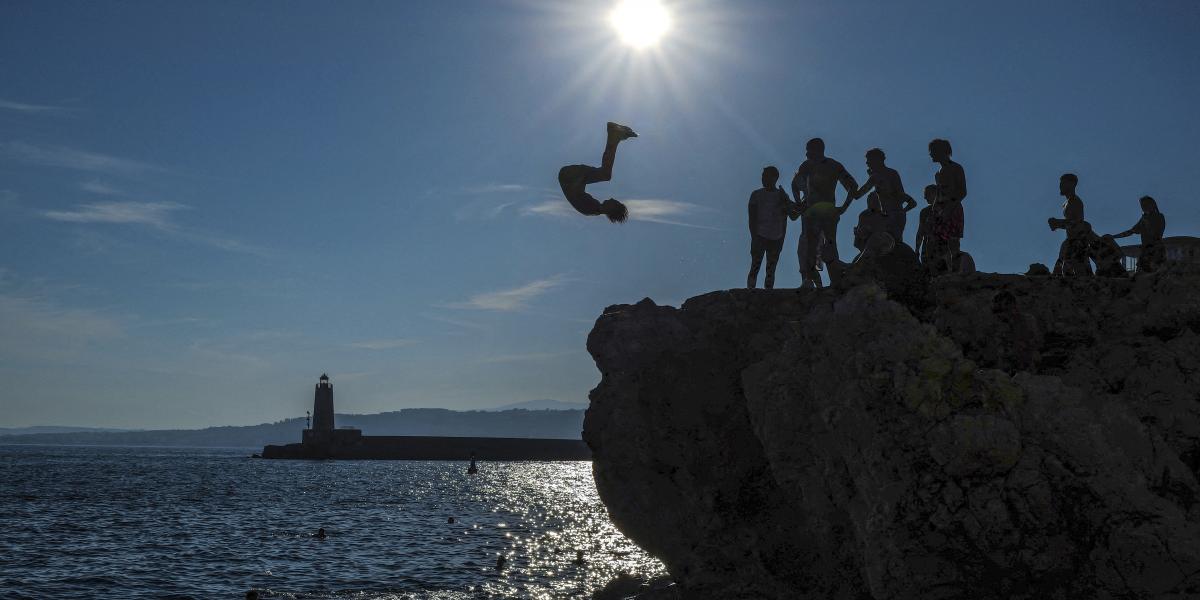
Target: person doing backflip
814,186
769,208
574,179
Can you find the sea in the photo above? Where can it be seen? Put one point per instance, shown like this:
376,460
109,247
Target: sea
115,522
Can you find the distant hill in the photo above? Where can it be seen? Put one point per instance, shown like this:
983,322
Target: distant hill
53,429
542,405
563,424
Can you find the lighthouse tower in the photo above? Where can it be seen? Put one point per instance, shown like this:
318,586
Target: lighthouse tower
322,423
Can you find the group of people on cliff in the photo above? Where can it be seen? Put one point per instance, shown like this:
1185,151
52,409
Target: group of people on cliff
1084,247
880,226
938,241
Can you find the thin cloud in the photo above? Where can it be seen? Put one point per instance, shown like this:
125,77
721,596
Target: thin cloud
456,322
388,344
495,188
99,187
511,299
154,214
530,357
72,158
34,328
666,212
44,109
481,210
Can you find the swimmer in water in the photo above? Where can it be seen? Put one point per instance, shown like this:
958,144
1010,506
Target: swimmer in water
574,179
320,535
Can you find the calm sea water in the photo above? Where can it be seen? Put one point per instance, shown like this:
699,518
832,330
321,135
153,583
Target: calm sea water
92,522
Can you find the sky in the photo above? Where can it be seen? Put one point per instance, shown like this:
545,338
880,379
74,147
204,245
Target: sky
207,205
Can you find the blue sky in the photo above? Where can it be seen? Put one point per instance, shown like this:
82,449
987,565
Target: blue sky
208,205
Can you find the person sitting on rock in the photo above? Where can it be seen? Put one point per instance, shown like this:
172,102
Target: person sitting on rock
1151,227
574,179
1106,253
1073,254
894,202
923,245
814,186
870,222
768,214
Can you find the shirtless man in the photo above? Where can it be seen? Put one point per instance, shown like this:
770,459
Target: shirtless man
893,200
814,186
574,179
1073,254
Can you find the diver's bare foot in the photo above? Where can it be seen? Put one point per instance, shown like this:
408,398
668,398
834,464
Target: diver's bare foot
621,132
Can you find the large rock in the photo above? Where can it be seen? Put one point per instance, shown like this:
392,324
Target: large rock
841,444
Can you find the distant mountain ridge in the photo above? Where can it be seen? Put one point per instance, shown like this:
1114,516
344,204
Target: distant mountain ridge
55,429
544,404
517,423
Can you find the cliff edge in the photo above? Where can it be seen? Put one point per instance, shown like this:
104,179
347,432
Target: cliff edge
943,443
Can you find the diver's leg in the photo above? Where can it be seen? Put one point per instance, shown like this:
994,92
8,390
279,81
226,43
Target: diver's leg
616,134
572,179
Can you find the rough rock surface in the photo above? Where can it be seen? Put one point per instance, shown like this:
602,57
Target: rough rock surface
841,444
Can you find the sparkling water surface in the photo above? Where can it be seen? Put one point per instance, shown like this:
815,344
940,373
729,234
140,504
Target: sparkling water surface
102,522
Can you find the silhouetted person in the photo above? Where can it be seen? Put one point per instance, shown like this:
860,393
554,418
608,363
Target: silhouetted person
937,250
450,520
574,179
500,562
252,595
870,222
579,553
320,535
1151,227
1073,253
951,183
814,186
768,213
894,202
924,243
471,470
1106,253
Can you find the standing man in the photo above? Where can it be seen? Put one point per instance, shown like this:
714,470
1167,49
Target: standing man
814,186
1073,254
768,211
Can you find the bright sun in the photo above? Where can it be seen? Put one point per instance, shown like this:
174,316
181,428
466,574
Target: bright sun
640,23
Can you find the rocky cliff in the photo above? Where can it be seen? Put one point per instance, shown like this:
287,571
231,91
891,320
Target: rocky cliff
942,443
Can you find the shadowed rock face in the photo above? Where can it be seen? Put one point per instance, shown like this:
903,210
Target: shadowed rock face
838,444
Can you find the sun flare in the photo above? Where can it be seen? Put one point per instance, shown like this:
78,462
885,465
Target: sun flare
640,23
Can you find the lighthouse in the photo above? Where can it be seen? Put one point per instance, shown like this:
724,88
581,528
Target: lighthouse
322,422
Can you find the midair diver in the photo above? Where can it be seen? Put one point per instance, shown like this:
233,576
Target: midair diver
575,178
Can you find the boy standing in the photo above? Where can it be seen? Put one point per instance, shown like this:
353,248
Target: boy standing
768,212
